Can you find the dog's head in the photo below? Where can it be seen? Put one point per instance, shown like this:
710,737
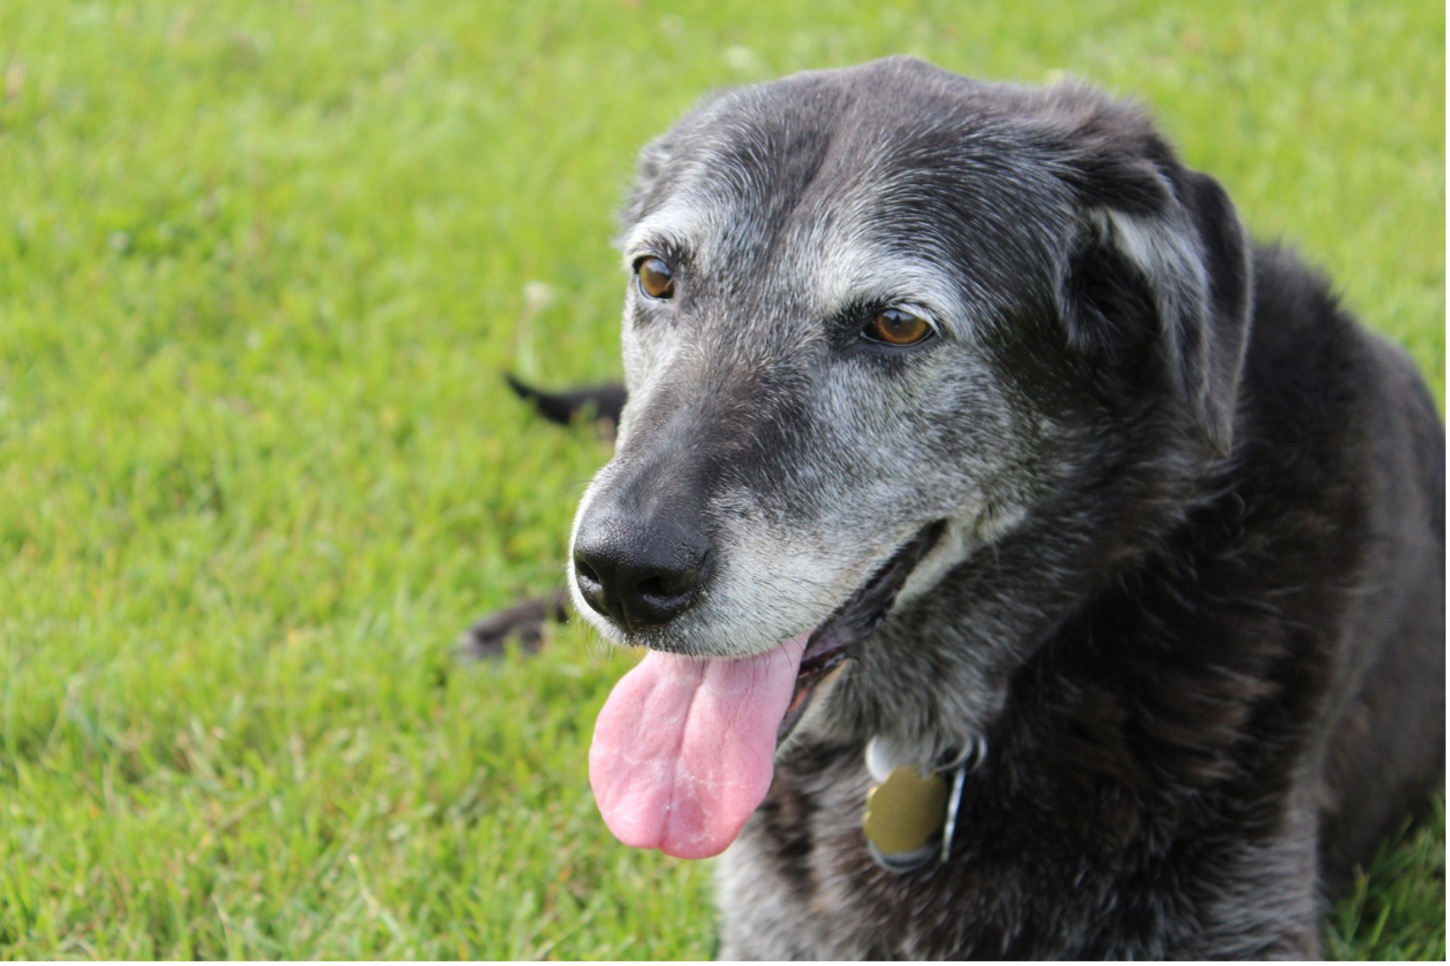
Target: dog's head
883,315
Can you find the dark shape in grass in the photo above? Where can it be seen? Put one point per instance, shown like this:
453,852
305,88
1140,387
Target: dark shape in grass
525,622
603,402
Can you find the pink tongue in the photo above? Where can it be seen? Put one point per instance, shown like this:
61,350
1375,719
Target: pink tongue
684,748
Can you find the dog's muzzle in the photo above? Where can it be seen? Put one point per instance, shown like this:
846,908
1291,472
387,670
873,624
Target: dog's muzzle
684,748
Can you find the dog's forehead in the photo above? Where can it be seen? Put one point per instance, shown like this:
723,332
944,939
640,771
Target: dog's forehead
852,189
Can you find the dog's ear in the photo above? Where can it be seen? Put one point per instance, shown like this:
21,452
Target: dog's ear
1212,352
1162,255
652,161
650,179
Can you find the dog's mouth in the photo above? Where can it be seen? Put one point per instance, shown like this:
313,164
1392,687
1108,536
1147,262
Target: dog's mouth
684,748
830,643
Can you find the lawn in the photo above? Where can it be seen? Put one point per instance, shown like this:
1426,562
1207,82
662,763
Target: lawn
261,264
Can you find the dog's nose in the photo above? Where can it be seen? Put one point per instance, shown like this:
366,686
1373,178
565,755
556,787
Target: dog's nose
639,576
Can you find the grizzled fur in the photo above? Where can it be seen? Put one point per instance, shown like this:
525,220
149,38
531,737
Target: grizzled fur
1191,591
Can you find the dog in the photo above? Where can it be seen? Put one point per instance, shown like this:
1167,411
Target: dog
1028,563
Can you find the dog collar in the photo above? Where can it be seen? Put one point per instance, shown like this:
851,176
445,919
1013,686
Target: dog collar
911,813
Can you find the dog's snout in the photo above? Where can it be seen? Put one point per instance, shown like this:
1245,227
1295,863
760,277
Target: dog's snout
640,575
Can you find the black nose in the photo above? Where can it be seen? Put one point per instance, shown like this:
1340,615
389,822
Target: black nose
639,574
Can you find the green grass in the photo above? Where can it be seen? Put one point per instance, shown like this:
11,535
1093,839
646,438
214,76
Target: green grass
260,264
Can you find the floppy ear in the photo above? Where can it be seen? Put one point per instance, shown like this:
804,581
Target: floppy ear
652,161
1213,361
1162,257
650,171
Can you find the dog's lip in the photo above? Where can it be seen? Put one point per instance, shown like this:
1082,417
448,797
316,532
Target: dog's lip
854,620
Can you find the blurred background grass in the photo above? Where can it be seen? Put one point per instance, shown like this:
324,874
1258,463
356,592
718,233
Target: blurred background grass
260,264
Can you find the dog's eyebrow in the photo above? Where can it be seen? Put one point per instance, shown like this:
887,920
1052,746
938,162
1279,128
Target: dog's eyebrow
854,276
667,245
664,232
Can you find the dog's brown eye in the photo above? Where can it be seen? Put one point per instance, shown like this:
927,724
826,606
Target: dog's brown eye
656,280
897,327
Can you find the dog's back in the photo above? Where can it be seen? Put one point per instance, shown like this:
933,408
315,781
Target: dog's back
1342,460
1357,424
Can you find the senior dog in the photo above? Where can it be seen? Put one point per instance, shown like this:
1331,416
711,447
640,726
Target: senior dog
1029,564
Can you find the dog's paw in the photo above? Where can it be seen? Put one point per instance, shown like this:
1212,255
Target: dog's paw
525,622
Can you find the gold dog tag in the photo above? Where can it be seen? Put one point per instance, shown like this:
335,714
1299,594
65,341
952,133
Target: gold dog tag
905,811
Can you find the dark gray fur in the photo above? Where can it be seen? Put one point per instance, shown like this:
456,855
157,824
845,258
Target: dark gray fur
1192,591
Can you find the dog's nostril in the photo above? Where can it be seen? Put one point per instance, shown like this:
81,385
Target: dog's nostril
659,598
591,587
584,572
661,587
